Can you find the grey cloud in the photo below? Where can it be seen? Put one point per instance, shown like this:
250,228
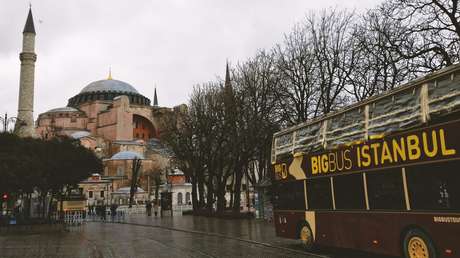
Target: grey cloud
174,44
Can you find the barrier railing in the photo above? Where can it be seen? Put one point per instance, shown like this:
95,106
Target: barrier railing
77,218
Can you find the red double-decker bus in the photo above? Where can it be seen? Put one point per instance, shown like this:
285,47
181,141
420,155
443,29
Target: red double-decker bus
381,176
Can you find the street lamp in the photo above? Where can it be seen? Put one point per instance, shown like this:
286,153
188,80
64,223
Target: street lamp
7,120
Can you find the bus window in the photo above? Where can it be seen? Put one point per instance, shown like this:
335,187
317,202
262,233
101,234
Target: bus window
289,195
385,189
319,193
434,186
349,192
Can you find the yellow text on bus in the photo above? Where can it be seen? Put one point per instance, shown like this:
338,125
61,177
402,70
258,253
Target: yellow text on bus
411,147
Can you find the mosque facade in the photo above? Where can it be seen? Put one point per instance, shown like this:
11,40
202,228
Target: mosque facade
108,116
119,124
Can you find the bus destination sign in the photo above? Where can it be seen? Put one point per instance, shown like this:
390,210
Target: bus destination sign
424,145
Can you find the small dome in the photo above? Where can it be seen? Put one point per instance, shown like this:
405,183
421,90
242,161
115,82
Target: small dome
79,134
122,155
62,109
109,85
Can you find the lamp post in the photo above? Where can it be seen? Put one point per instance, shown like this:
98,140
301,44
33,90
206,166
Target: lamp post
5,120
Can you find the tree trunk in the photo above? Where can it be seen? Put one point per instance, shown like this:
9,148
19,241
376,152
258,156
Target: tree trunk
50,206
232,185
248,204
28,205
43,206
221,198
201,191
195,204
134,178
237,189
210,195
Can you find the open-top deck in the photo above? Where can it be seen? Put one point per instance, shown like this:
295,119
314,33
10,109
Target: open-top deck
411,105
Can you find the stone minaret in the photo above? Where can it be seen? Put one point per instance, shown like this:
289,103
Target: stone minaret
25,123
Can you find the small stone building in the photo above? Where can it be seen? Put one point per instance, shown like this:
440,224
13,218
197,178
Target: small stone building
95,189
181,191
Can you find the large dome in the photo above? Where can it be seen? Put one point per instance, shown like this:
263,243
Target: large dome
109,85
107,90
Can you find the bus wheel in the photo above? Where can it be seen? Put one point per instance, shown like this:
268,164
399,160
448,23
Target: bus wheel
418,245
306,236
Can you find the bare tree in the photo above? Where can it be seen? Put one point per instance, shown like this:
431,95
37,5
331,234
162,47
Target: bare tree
334,55
377,67
258,83
297,95
314,63
429,34
327,61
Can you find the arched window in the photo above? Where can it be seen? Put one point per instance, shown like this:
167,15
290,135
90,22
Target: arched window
187,198
120,171
179,199
142,127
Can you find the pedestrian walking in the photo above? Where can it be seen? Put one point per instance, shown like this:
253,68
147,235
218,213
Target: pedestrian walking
103,211
155,208
97,210
91,207
113,210
148,207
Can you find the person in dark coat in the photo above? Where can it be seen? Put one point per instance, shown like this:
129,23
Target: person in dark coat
155,208
102,211
148,206
113,210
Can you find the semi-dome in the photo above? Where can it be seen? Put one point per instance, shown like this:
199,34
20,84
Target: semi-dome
109,85
122,155
62,109
80,134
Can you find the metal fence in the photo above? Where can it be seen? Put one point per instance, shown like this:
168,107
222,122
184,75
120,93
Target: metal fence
78,218
133,210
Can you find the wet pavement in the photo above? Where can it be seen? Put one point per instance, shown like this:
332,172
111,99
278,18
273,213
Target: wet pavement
122,240
143,236
257,231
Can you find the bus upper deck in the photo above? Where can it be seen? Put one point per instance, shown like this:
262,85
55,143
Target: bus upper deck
417,103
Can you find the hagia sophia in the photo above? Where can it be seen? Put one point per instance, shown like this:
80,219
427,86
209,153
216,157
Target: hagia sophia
108,116
112,118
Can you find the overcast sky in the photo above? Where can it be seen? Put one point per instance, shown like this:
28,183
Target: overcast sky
174,44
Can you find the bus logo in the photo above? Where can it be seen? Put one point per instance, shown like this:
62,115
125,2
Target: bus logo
281,171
